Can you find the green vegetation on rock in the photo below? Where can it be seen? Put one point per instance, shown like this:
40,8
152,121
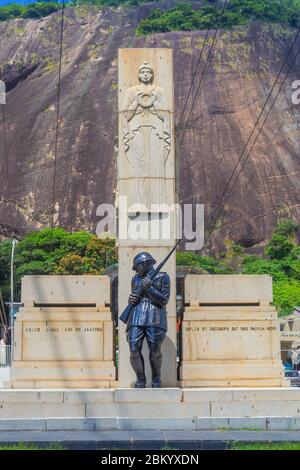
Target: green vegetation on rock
44,8
185,17
33,10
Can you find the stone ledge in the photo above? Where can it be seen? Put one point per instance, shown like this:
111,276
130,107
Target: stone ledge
148,395
223,425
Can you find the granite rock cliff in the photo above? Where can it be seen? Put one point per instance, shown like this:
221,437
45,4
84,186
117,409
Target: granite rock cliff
242,71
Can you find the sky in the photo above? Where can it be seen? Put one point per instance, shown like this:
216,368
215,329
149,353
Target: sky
21,2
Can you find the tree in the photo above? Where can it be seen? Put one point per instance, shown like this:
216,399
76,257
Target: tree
55,251
279,247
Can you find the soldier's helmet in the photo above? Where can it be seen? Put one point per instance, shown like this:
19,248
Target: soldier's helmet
140,257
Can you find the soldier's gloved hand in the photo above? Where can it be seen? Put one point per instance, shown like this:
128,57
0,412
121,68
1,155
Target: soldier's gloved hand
134,299
146,283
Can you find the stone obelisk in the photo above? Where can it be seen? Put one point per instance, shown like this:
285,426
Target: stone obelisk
146,186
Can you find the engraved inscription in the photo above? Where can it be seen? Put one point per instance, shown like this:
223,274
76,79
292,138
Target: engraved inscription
231,328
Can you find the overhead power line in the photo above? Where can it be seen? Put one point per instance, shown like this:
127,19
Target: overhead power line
216,214
57,111
211,50
196,70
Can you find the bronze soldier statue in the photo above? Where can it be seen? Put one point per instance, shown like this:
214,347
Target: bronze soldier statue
147,317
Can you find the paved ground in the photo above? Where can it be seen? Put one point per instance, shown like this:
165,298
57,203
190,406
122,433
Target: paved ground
146,440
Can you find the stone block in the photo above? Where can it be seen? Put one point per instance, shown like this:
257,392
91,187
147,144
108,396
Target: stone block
151,395
206,395
157,424
57,290
70,424
258,423
256,408
59,384
282,423
235,340
63,370
31,396
42,410
89,396
211,424
233,313
148,410
228,289
270,394
22,424
226,374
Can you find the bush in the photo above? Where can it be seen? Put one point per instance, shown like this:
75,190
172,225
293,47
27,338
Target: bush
279,247
39,10
286,296
209,264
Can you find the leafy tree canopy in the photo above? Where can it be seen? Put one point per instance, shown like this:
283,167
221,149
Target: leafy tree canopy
281,261
55,251
185,17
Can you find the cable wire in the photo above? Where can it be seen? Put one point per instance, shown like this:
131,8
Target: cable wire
57,112
214,217
211,50
196,70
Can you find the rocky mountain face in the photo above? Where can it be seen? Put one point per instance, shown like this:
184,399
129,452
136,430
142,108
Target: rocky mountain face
242,70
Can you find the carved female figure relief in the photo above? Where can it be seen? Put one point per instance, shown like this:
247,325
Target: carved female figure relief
147,138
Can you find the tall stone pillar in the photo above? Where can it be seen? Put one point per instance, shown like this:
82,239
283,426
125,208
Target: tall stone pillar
146,186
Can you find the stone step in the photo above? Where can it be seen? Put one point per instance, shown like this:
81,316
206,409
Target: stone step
184,404
271,423
187,405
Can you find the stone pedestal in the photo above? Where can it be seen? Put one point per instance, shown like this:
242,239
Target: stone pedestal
230,333
64,334
146,188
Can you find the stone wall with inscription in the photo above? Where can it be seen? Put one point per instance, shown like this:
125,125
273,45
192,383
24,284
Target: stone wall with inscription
64,335
231,339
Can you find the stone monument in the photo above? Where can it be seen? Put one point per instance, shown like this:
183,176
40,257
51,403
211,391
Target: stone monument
64,334
146,184
230,333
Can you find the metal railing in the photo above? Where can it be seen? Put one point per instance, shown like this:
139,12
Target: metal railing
5,355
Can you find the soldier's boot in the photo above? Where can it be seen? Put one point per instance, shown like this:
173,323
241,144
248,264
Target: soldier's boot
137,363
156,362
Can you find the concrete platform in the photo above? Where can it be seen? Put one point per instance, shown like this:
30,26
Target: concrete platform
166,408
